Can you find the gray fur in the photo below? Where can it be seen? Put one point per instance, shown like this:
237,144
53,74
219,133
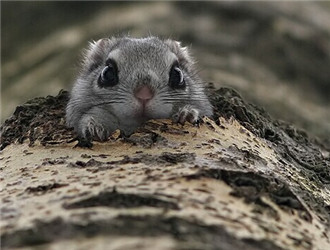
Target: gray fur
95,112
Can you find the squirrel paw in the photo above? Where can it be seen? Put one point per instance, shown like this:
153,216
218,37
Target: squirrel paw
94,131
187,113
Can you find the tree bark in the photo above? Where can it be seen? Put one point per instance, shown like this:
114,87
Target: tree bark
239,180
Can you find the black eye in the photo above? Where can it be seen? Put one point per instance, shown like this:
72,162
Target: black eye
176,79
109,75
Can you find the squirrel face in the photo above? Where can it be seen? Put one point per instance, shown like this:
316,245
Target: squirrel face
124,82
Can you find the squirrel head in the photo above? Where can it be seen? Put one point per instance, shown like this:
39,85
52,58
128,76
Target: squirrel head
134,80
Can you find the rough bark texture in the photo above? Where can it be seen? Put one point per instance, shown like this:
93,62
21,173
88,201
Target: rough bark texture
239,180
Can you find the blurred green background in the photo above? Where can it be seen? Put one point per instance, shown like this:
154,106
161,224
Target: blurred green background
276,54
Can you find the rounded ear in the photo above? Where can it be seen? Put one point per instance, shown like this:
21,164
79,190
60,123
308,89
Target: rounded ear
182,53
97,52
97,49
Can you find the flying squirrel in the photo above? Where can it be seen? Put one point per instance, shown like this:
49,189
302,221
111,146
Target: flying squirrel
124,82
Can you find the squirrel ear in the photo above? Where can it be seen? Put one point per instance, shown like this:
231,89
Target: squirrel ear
96,52
181,52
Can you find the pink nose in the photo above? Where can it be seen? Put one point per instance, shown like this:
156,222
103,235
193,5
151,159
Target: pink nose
144,94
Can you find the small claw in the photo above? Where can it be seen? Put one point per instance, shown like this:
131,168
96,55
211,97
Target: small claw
188,114
95,131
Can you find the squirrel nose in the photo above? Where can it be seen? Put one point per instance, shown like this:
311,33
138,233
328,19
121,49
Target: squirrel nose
144,94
